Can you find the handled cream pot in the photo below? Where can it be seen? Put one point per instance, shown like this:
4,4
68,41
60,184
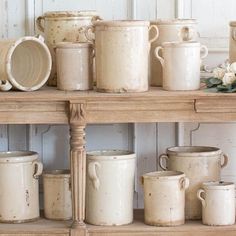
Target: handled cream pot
232,42
164,197
19,194
218,203
110,187
181,63
169,31
122,50
200,164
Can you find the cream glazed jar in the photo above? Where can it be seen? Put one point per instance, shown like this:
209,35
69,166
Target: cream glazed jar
122,51
169,31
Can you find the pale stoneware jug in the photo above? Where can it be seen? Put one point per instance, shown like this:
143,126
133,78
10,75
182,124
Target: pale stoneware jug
110,187
64,26
122,50
164,198
232,42
19,193
169,31
57,195
200,164
218,203
181,63
74,66
25,63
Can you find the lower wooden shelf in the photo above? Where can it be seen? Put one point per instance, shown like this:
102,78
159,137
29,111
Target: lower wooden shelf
45,227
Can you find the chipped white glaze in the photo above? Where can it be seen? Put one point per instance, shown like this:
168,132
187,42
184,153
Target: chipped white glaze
164,197
110,187
200,164
19,195
218,203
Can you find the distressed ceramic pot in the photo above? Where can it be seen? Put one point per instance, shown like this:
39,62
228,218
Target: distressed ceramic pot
122,50
232,42
218,203
57,195
164,198
181,63
64,26
110,187
169,31
19,195
25,63
74,66
200,164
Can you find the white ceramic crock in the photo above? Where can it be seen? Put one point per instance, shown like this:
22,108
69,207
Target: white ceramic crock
25,63
200,164
232,42
122,50
169,31
74,66
110,187
19,195
218,203
164,198
57,195
64,26
181,63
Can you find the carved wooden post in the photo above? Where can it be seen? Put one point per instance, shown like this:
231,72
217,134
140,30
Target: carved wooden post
78,165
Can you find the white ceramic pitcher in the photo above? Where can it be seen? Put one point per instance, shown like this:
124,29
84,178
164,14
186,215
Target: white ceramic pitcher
181,63
110,187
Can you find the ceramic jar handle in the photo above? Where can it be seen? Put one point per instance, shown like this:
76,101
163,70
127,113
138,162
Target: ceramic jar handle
161,59
199,195
38,169
205,51
92,173
96,18
5,85
87,33
233,34
161,158
39,23
226,159
156,34
187,33
184,183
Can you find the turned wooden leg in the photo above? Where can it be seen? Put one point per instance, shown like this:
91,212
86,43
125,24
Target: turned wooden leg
78,173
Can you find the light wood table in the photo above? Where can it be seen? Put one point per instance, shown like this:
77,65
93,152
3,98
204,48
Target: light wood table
51,106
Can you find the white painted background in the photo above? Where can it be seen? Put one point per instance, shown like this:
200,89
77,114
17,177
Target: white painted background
148,140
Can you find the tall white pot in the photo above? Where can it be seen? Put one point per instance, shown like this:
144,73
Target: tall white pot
110,187
19,195
200,164
122,51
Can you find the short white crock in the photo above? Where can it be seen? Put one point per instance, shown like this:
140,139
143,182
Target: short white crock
57,195
164,198
200,164
181,63
19,193
122,51
110,187
218,203
74,66
169,31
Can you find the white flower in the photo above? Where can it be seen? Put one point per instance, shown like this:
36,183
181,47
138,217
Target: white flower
232,68
219,72
228,78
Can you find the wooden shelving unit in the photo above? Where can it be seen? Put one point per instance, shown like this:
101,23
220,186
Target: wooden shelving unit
50,106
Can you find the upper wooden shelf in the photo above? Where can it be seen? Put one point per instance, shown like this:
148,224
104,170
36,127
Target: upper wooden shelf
50,105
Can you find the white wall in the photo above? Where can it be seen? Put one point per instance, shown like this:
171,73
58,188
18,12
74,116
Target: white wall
148,140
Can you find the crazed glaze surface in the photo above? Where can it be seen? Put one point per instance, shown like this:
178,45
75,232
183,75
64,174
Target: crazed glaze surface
200,164
19,195
181,64
164,198
169,30
110,187
218,203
